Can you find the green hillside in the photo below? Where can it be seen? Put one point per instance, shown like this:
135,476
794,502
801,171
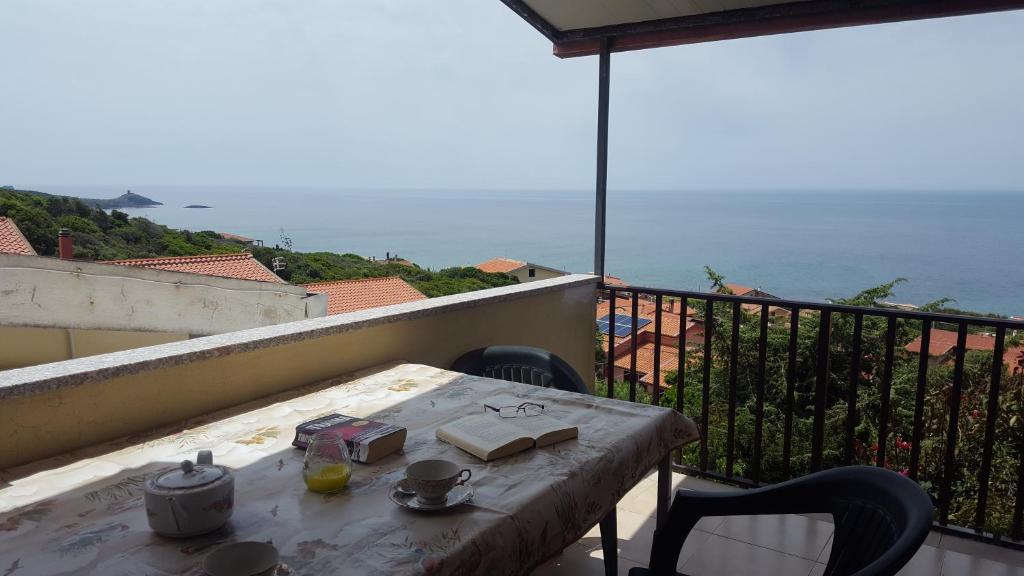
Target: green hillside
102,236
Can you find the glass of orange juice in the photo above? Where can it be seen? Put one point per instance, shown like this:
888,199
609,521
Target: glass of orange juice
328,466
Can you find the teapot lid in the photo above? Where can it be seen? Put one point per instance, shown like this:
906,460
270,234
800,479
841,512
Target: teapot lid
189,476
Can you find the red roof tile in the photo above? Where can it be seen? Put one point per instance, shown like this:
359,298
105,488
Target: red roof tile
669,319
239,265
235,237
12,241
500,265
944,341
739,289
645,361
351,295
1014,358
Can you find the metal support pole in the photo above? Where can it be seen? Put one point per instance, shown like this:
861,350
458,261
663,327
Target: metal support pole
602,155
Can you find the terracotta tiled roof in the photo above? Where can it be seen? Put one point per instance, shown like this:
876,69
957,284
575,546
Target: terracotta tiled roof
1014,358
739,289
645,361
648,310
235,237
944,341
239,265
351,295
12,241
501,265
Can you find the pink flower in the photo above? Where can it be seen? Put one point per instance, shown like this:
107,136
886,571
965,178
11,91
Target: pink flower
905,472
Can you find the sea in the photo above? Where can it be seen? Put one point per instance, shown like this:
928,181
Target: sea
807,245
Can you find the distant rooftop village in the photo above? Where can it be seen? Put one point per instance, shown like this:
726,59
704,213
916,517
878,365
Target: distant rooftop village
217,293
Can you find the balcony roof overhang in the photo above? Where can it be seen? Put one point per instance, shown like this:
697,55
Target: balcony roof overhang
577,27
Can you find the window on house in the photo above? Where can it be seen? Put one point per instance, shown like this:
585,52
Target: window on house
533,272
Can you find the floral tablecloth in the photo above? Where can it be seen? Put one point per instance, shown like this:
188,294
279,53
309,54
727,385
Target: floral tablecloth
83,513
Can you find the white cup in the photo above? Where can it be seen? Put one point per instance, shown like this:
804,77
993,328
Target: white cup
432,480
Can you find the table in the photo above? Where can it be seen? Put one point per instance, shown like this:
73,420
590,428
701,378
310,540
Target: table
83,513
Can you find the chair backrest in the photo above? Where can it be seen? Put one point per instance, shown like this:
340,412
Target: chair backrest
881,518
523,364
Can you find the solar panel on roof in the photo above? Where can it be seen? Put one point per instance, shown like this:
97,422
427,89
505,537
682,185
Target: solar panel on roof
623,324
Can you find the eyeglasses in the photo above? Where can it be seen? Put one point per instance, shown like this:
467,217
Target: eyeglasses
524,409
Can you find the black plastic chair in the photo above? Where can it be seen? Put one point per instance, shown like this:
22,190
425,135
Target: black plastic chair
523,364
881,518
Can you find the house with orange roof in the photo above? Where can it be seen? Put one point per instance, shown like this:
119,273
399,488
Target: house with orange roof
741,290
351,295
942,345
240,265
675,326
1014,360
241,239
523,271
54,309
12,241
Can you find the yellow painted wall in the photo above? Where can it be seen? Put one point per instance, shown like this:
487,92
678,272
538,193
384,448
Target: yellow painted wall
30,346
20,347
523,274
47,424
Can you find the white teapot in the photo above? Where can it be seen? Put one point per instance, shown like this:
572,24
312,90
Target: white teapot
192,499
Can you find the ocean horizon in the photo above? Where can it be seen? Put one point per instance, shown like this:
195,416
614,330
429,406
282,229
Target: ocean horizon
806,245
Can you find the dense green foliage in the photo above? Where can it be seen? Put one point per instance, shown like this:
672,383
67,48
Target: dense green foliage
307,267
102,236
99,235
1009,431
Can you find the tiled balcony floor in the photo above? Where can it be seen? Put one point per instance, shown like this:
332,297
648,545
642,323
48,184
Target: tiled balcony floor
777,545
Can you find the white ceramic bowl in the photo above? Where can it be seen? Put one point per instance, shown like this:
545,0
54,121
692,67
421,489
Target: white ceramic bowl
242,559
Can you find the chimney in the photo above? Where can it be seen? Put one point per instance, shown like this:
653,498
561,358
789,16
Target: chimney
64,244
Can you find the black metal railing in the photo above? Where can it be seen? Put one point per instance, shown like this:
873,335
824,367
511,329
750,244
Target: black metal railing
835,405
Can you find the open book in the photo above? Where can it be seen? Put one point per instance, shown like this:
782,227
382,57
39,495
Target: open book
489,436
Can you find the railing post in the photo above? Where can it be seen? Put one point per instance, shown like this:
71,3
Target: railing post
681,370
762,361
656,377
705,399
821,390
885,393
787,429
600,224
610,359
632,351
949,464
992,413
922,388
734,352
851,393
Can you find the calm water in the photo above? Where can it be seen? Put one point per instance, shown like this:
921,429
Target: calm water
807,245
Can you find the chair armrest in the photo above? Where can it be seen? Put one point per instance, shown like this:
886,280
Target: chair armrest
689,506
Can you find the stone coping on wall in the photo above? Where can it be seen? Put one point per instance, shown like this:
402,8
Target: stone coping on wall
44,378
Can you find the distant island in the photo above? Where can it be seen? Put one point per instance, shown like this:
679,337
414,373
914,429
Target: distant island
197,206
127,200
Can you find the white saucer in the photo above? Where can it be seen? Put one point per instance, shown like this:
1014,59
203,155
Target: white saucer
406,499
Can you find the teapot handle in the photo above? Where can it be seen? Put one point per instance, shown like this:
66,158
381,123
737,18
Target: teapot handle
205,457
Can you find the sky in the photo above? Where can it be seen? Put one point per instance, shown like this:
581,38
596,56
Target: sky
465,94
